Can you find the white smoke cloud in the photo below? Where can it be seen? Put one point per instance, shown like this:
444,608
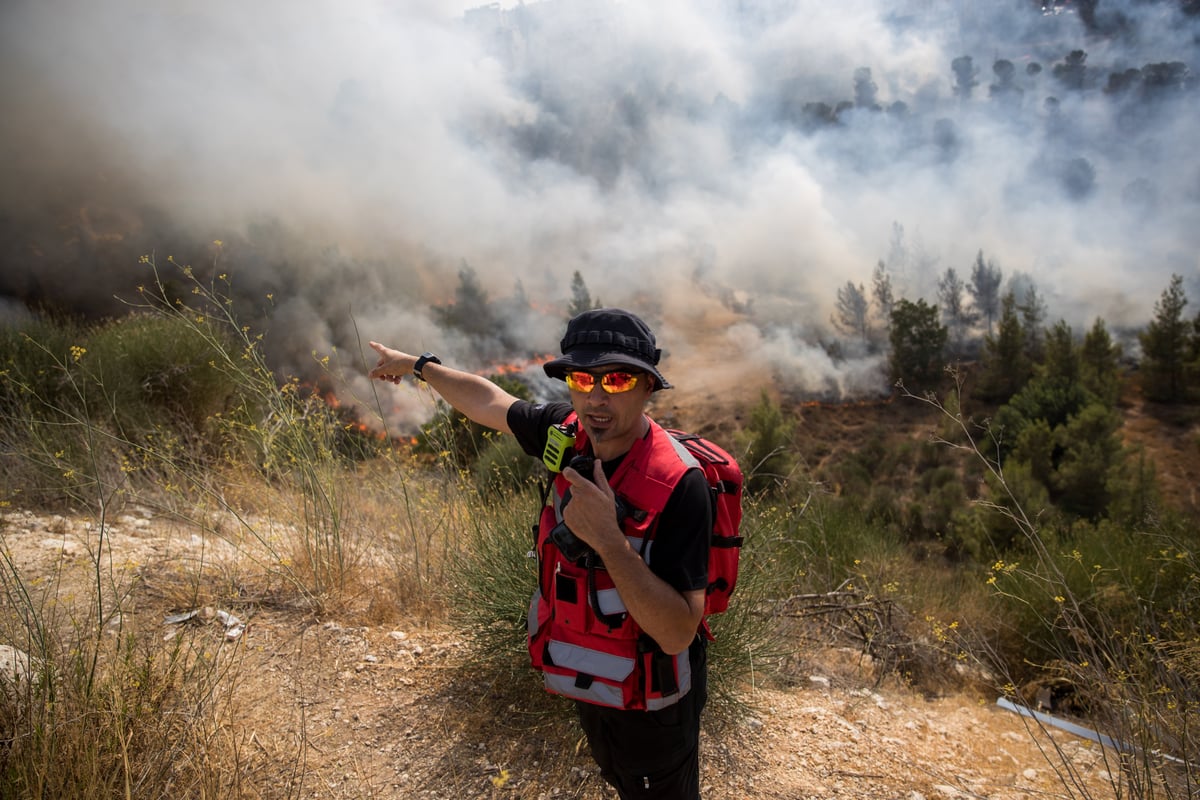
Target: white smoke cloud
355,156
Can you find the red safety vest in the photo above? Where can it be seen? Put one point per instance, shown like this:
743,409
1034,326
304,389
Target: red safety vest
580,635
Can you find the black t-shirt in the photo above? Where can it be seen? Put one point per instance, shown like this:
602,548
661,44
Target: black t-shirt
681,540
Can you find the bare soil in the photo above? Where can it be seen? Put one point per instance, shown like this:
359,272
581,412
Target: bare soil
336,707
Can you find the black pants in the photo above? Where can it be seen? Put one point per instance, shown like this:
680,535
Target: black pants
651,754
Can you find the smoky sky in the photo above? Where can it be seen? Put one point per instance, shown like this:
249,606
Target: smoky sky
722,167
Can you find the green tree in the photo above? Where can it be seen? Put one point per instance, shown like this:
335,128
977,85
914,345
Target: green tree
918,343
1060,359
1018,490
1050,398
1035,449
1090,455
1194,351
1165,346
1006,367
1033,314
1064,436
767,442
1133,490
1099,364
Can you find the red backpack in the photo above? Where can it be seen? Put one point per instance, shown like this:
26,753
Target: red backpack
725,483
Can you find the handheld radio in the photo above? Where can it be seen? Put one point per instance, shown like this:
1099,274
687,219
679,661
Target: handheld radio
559,442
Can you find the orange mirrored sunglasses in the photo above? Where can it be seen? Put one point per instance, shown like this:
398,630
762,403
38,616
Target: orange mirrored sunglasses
612,382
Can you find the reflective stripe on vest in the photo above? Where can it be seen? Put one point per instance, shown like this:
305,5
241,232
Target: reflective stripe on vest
591,662
608,674
604,694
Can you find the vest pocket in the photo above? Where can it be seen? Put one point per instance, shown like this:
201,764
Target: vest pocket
570,601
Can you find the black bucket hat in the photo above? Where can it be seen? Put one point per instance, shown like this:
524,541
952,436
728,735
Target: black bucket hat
607,336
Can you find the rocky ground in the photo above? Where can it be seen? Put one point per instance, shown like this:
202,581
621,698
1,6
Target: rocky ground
326,707
393,719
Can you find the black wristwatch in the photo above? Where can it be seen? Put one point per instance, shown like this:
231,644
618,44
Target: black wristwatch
424,359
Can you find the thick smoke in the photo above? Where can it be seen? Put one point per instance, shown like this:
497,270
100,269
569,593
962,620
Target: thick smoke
724,167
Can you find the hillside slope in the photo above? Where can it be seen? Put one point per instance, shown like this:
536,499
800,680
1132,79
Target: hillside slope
827,432
336,707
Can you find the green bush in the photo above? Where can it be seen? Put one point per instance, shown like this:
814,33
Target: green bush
768,457
503,467
749,645
458,441
149,369
1115,614
883,508
90,404
493,576
33,354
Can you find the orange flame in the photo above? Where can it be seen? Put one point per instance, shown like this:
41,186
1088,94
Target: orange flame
880,401
516,367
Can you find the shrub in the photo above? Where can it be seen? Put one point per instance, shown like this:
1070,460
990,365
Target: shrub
503,467
457,440
493,576
149,369
750,646
1112,613
767,444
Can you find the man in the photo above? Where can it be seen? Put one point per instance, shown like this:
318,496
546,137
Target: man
617,625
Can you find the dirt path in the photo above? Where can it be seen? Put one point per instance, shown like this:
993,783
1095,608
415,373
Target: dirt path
392,714
328,708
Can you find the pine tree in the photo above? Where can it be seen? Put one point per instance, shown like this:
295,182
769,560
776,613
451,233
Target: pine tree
768,444
471,311
1099,364
1090,455
1193,365
851,313
1033,313
1006,367
918,343
1060,360
581,298
955,314
1165,346
984,288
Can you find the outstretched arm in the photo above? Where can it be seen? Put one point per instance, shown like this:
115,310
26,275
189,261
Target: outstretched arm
478,398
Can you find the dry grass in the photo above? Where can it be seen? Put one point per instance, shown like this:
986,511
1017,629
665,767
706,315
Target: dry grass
347,560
